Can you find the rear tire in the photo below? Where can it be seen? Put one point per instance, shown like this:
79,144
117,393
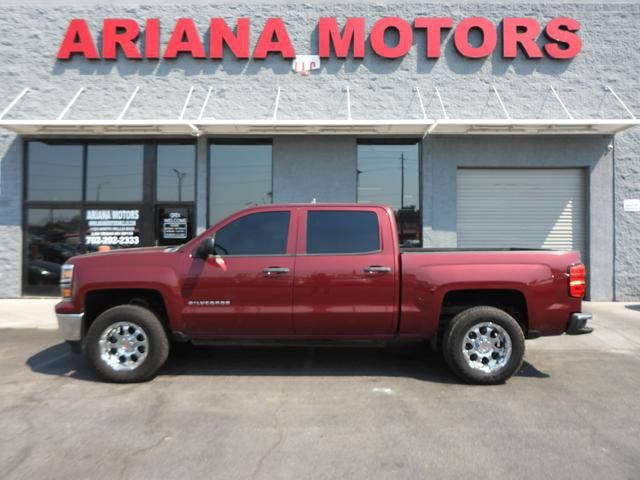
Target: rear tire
127,344
484,345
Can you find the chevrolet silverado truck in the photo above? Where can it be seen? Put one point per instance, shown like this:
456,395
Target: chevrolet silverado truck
310,272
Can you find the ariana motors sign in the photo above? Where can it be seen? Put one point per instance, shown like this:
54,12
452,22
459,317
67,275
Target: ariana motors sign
473,37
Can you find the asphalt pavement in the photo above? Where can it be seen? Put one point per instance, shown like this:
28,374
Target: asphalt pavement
573,411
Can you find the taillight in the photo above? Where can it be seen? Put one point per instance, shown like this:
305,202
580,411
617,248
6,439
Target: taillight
577,280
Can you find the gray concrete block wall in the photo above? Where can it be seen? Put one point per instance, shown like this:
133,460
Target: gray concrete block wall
444,155
10,215
380,88
317,167
627,224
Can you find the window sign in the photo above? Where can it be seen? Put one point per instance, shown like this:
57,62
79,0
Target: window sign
632,205
175,226
113,227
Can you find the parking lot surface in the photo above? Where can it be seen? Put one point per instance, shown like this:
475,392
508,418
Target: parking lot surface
573,411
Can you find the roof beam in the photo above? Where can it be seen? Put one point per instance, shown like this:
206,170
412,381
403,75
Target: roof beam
14,101
608,88
128,104
504,109
444,111
276,105
70,104
186,104
422,109
566,110
206,102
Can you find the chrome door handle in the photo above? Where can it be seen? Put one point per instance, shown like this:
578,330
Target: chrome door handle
377,269
273,271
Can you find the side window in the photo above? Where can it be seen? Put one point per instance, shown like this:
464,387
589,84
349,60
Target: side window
263,233
342,231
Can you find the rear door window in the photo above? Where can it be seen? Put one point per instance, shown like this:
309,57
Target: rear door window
262,233
342,232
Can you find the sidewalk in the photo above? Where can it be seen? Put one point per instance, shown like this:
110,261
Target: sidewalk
28,313
38,312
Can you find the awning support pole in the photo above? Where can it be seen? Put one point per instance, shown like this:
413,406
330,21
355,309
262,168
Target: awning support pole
424,112
73,100
186,103
444,111
196,131
608,88
276,105
431,128
13,102
128,104
561,102
204,105
504,109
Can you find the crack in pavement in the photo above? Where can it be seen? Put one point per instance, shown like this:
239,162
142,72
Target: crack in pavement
18,460
275,444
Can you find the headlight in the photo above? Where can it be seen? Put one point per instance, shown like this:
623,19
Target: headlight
66,280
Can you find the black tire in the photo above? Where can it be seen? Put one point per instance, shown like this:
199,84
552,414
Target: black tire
454,341
156,349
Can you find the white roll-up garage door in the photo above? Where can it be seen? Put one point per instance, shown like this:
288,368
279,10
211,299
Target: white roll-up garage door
528,208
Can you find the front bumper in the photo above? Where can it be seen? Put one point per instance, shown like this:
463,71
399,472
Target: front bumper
71,326
578,324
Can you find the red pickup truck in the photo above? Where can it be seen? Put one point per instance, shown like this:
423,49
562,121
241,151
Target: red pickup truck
317,272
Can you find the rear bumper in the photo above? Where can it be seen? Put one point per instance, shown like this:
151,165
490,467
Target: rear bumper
70,326
578,324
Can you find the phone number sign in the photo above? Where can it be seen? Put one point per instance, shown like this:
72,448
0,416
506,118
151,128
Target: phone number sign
113,227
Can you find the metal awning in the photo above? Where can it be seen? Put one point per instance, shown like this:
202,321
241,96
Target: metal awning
424,126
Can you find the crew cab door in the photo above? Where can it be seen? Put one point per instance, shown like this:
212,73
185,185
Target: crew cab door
346,273
246,289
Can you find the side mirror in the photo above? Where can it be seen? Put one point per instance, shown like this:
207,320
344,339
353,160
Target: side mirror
205,249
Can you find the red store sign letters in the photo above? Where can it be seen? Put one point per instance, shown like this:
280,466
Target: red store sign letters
123,34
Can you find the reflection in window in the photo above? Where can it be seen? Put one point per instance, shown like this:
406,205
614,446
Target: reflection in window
53,236
54,172
114,173
342,232
240,176
263,233
389,174
176,173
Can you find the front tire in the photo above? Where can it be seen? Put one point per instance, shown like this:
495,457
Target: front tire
127,344
484,345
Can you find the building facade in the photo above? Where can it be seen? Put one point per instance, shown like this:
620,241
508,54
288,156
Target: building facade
493,124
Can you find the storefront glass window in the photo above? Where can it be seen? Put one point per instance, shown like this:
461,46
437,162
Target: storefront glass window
53,236
240,176
114,173
390,174
54,172
176,173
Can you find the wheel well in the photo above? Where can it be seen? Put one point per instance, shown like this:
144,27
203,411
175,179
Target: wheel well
98,301
511,301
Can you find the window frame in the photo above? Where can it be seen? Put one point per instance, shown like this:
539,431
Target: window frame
147,205
230,141
399,141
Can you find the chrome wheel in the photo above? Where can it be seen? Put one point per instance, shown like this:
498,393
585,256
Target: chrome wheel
123,346
487,347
